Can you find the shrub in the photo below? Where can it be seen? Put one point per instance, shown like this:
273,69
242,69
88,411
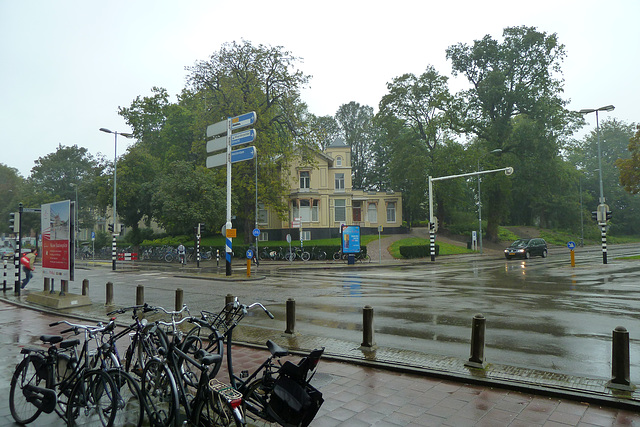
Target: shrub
417,251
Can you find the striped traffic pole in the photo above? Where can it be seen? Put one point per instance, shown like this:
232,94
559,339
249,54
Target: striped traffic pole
432,245
113,253
604,243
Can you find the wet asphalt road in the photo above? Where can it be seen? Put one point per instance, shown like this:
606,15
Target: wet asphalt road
541,313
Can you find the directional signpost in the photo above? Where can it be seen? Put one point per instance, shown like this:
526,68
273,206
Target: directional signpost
230,156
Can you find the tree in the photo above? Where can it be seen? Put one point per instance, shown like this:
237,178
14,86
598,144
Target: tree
519,76
356,124
240,78
187,195
630,167
421,103
614,142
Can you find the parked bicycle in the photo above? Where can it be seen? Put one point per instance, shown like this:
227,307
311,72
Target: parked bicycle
60,379
168,382
275,392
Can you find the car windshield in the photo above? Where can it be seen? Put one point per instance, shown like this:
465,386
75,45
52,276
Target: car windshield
521,243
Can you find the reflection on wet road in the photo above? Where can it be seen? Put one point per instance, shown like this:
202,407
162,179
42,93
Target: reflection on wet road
540,313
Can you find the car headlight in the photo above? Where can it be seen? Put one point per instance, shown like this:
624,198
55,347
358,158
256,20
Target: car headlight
520,250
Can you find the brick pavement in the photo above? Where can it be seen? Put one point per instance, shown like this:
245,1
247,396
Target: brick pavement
357,395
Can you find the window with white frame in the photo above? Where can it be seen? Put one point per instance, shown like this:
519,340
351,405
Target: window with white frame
339,181
305,210
314,210
391,212
338,161
306,235
372,213
340,214
305,180
264,236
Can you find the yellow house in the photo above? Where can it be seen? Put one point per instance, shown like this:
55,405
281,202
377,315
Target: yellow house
322,198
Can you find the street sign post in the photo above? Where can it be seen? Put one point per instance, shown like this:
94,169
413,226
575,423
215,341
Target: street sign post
229,157
572,246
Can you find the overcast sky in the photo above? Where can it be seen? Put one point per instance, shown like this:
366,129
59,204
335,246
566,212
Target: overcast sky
66,66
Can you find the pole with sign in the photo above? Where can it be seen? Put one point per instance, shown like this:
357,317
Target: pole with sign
228,141
572,246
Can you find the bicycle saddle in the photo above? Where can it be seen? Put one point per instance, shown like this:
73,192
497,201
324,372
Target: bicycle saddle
276,350
51,339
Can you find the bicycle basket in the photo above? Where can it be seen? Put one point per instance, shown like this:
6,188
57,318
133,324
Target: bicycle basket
292,404
226,319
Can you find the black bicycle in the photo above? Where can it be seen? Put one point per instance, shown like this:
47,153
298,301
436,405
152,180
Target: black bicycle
276,392
60,379
208,402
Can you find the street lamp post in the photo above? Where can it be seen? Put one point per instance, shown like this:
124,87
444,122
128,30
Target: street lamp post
602,222
115,174
497,150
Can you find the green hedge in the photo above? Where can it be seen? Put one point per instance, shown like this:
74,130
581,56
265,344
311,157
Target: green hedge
417,251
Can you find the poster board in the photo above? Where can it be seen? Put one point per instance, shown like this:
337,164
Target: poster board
350,239
57,244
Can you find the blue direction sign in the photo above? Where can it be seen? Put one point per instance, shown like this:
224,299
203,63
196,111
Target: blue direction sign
243,120
256,232
571,245
243,154
239,138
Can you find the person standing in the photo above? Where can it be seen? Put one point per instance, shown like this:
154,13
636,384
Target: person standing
182,254
28,261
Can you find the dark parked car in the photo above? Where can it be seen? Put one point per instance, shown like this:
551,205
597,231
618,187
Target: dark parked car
526,248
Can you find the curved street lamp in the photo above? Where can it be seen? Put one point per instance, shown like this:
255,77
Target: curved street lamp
115,166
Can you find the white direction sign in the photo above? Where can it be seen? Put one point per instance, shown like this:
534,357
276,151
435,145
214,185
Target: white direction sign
217,128
217,160
239,138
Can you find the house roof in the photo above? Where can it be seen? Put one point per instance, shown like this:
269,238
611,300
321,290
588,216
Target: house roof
338,142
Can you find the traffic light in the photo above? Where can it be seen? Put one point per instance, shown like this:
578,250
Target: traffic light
203,226
111,228
608,215
594,215
12,222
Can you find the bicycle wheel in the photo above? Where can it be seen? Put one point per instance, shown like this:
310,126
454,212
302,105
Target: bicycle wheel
305,256
216,411
93,400
130,404
26,376
254,403
336,256
322,255
161,393
201,336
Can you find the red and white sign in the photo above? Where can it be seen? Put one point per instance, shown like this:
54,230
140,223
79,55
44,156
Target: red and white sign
56,240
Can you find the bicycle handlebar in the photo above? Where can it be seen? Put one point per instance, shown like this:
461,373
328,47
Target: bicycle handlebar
91,329
175,313
145,308
175,322
261,306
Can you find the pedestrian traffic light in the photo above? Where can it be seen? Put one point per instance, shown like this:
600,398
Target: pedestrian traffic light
608,215
12,221
111,228
594,215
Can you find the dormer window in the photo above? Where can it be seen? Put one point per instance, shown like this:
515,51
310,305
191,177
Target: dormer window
339,161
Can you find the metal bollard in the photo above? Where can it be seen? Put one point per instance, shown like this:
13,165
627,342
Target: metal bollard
477,342
291,316
4,276
53,285
109,294
47,284
179,299
140,295
64,287
620,371
85,287
367,328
